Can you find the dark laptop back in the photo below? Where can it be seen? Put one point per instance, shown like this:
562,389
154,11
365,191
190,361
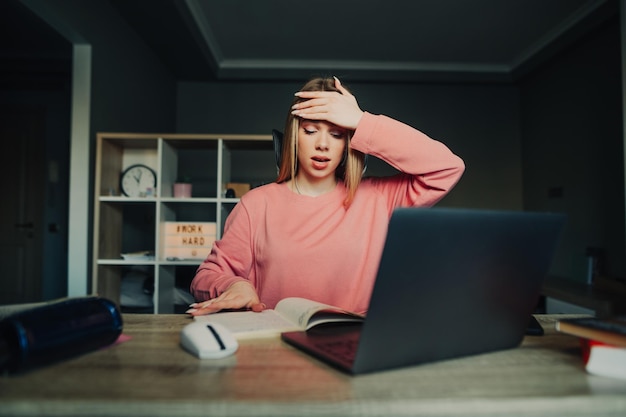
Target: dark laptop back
451,282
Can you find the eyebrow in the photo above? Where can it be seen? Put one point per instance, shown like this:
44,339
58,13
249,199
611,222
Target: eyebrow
320,122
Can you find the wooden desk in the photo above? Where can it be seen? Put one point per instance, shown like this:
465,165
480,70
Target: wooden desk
151,376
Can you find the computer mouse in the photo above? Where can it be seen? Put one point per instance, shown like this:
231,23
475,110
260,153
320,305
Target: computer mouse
208,340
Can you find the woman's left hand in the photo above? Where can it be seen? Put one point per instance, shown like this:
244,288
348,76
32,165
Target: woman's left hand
340,109
240,294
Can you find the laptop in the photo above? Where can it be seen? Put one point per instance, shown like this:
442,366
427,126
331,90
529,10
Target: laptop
450,283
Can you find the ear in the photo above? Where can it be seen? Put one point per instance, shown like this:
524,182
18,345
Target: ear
277,138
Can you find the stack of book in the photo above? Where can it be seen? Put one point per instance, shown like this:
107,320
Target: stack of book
603,341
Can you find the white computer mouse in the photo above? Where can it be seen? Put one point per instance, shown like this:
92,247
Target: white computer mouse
208,340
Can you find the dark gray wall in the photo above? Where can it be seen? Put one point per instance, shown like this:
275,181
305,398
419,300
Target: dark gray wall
559,129
131,89
35,73
556,131
573,149
478,122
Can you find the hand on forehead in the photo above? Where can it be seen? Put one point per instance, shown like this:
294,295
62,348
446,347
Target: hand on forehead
338,108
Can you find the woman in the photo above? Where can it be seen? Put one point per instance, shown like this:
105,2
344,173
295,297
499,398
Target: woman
319,230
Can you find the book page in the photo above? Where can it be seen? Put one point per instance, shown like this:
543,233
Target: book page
307,313
607,361
291,314
249,324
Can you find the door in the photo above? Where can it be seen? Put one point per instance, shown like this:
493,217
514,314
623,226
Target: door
21,207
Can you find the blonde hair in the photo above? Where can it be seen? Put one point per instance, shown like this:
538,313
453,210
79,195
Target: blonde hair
351,169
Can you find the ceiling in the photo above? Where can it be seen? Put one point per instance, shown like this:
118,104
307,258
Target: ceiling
361,40
384,40
32,55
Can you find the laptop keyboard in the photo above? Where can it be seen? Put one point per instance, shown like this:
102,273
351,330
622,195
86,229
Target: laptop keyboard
342,350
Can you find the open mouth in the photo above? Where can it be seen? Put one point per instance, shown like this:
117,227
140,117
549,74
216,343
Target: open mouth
320,162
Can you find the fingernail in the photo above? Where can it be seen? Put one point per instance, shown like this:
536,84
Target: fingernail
191,310
297,94
259,307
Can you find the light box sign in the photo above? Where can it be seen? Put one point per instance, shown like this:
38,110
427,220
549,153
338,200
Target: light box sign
188,240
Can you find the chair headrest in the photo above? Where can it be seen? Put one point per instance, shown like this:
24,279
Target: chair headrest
277,138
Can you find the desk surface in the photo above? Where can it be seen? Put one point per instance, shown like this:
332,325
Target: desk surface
150,375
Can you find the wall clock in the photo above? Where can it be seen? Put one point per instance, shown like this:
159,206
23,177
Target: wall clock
138,181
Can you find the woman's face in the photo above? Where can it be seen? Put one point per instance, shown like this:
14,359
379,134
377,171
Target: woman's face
321,147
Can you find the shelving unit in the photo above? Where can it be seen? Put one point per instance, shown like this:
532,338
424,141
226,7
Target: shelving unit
125,225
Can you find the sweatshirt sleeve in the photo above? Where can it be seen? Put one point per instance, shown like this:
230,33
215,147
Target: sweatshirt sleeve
428,169
230,258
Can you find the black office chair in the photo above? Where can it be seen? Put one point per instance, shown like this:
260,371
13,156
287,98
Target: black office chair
277,139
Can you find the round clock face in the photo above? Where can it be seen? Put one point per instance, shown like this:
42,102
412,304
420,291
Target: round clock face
138,181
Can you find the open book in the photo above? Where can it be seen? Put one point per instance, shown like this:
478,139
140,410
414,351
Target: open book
290,314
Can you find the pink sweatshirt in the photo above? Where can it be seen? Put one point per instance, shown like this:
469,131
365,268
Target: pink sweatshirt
288,244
